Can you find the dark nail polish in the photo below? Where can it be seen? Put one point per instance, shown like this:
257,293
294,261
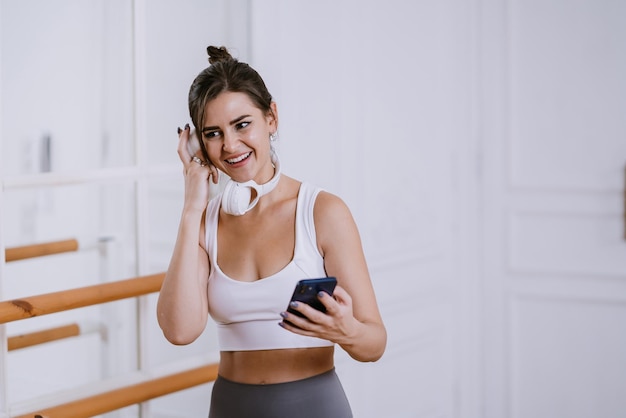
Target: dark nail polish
283,314
179,130
186,126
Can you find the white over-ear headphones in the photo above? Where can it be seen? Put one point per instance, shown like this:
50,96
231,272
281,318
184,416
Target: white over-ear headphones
236,196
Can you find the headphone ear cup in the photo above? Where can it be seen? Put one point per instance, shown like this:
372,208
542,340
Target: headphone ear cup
235,198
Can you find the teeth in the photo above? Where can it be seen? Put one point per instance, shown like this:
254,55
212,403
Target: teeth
236,160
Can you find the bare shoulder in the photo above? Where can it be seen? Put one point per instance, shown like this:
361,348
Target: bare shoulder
333,221
330,208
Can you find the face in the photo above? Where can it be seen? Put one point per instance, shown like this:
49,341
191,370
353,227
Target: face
236,136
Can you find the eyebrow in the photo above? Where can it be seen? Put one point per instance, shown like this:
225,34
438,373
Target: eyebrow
232,122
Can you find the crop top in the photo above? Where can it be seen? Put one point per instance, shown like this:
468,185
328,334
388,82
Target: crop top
247,313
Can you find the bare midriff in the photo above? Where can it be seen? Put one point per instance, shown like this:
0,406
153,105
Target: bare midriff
275,366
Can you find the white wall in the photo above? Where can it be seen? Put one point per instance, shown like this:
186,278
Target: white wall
553,101
479,145
375,104
108,81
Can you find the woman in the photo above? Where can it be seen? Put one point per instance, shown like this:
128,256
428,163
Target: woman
239,262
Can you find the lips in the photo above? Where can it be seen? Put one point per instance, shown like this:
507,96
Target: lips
239,159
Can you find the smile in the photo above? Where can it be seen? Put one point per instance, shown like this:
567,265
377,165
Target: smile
238,159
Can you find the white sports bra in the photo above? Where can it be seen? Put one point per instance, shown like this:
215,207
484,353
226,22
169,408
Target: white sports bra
247,313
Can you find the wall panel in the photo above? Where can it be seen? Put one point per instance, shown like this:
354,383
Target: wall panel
375,105
567,358
554,251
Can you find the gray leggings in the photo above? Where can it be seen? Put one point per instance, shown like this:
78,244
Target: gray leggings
320,396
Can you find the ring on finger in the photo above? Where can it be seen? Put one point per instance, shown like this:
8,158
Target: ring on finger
199,161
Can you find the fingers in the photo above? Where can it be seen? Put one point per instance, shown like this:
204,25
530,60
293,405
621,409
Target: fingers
332,304
212,170
214,173
307,325
337,324
314,316
188,153
183,145
340,297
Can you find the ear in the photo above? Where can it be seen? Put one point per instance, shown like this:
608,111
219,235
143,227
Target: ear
272,117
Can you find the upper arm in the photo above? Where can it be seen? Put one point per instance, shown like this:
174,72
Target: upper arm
203,256
182,306
339,242
204,265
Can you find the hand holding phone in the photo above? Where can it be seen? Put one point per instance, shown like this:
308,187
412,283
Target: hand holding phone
306,292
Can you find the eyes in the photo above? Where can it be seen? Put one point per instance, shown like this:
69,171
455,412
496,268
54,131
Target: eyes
210,133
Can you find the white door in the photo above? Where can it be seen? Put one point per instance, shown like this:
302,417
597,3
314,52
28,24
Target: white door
555,260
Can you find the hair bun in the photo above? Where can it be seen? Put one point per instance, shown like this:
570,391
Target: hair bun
217,54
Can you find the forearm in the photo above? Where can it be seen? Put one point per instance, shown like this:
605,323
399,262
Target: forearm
182,306
365,342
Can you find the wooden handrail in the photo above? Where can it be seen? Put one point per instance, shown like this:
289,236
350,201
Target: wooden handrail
28,307
44,336
112,400
129,395
38,250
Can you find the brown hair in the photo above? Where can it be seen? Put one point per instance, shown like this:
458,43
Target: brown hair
224,73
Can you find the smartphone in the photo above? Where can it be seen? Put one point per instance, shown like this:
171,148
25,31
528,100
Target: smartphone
307,289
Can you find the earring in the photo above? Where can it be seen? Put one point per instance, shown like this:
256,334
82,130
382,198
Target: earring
273,136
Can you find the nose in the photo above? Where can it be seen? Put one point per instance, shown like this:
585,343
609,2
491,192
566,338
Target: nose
230,141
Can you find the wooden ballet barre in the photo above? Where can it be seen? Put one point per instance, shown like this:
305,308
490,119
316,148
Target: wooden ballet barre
65,300
44,336
39,250
129,395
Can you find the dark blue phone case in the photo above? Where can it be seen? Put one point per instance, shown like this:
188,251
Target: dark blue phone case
307,289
